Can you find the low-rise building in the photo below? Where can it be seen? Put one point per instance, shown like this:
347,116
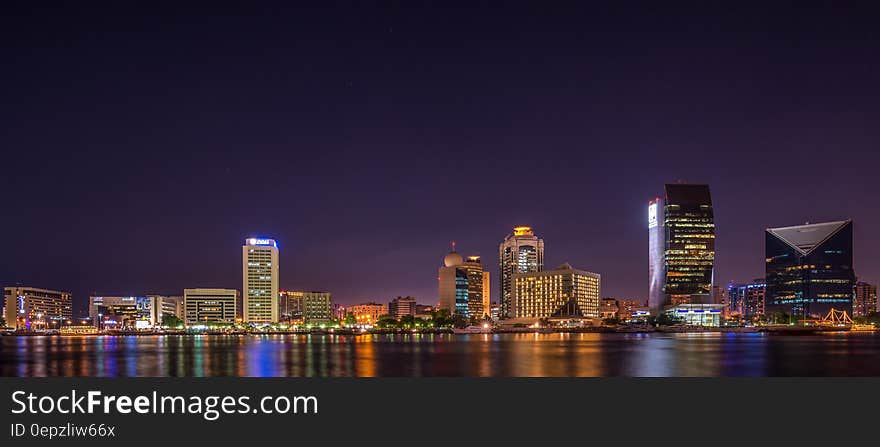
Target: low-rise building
608,309
204,306
865,299
317,307
696,314
367,313
123,312
32,308
402,306
290,306
564,292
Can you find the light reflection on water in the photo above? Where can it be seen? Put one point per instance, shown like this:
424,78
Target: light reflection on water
418,355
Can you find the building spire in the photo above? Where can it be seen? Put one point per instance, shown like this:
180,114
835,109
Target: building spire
453,245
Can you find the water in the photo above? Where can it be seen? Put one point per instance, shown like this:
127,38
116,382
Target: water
417,355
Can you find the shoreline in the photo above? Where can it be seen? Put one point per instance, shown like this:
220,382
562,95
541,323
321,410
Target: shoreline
786,330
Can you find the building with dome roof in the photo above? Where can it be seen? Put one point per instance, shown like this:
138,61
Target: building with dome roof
453,284
453,259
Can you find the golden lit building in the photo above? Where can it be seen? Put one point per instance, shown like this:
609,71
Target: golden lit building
32,308
609,308
561,293
487,296
475,286
520,252
367,313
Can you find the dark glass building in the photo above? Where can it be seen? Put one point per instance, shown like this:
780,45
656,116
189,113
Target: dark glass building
809,269
746,300
681,252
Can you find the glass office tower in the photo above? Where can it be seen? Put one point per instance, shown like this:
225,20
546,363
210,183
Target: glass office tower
475,287
520,252
681,250
809,269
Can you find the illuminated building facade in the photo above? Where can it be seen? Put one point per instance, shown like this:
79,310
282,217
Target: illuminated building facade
317,307
30,308
453,285
290,306
865,302
809,269
520,252
209,306
560,293
681,247
696,314
608,308
259,260
403,306
746,300
487,295
166,305
367,313
123,312
476,287
495,311
628,308
134,311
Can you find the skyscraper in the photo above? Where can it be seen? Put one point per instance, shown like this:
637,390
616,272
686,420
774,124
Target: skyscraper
681,247
809,269
520,252
453,285
487,295
475,287
259,260
865,299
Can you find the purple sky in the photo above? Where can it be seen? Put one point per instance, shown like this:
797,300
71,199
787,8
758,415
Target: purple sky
141,146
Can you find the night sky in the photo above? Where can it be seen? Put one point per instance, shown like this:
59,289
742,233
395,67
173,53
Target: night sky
140,146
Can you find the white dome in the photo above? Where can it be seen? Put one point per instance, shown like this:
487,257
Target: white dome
453,259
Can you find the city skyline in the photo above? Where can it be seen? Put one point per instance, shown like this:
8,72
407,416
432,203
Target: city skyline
379,133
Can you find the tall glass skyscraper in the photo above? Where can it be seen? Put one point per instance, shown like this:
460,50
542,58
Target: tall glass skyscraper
475,287
681,247
520,252
809,269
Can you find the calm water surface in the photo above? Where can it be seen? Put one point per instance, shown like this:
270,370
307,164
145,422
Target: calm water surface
484,355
